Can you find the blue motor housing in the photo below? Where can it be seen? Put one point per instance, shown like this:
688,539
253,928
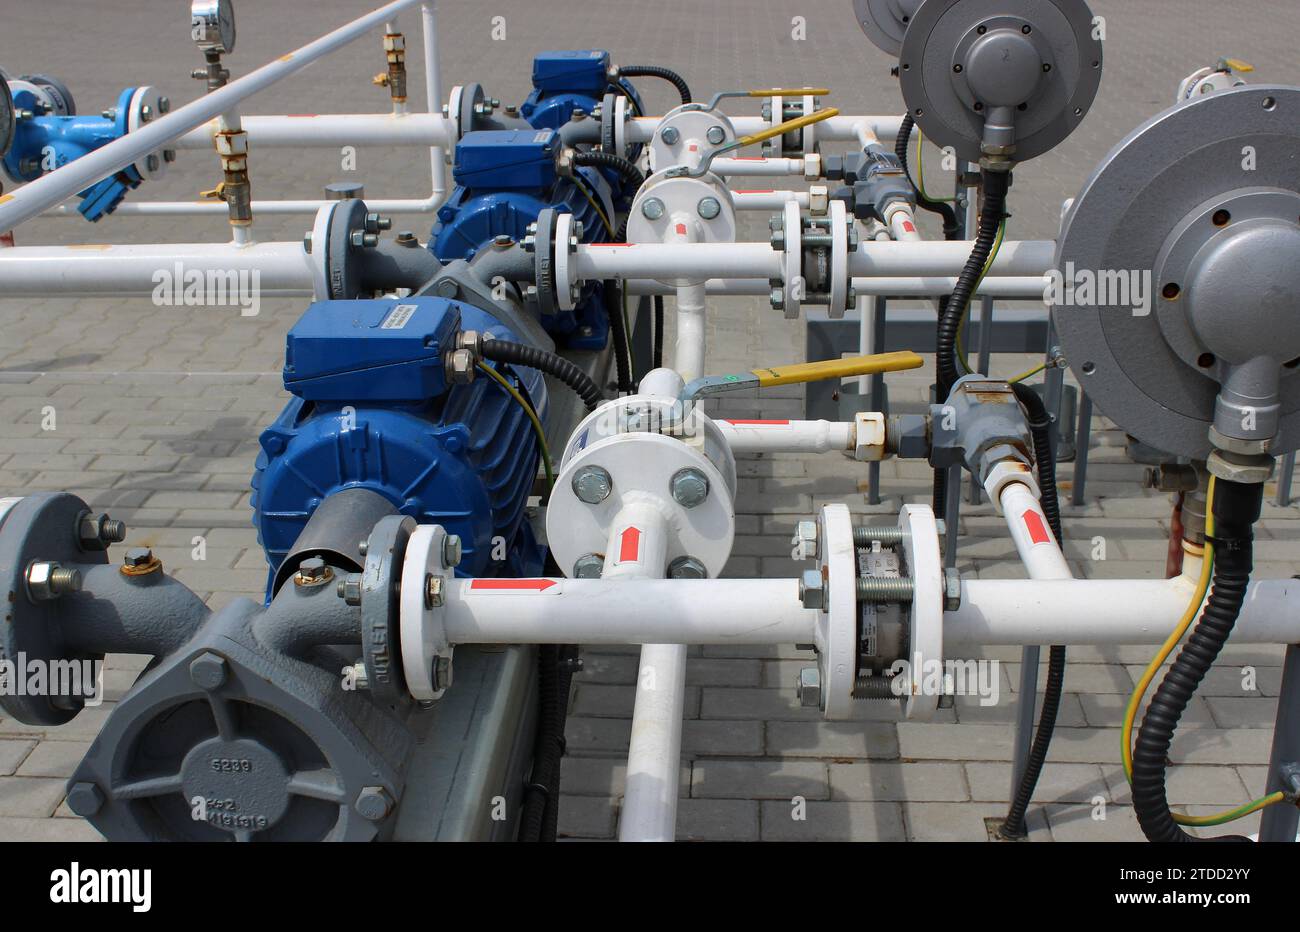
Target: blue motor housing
372,410
44,143
504,179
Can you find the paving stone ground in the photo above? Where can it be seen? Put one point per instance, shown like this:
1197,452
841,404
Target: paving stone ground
157,411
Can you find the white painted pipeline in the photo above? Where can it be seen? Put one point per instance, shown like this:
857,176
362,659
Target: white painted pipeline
626,611
1026,288
1106,612
757,167
59,185
433,94
872,259
777,436
939,258
332,130
645,553
768,200
1032,535
836,129
397,206
993,612
282,269
689,357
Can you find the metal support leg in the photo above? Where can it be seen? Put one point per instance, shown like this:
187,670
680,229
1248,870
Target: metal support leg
952,516
1284,478
1026,710
877,393
1279,822
975,493
1083,438
1054,385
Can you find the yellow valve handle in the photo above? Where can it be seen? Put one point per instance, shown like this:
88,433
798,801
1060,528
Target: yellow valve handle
783,128
838,368
380,80
216,194
790,92
1236,64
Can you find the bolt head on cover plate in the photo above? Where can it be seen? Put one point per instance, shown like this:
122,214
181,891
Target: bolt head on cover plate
1037,63
1198,211
885,21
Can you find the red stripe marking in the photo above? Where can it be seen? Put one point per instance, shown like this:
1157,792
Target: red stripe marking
908,227
1037,530
750,422
693,148
629,545
681,229
514,585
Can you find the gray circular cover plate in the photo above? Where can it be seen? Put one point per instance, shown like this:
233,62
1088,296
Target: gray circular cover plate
885,21
1227,146
940,101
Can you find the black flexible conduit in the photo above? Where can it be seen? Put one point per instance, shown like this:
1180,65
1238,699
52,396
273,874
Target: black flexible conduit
995,185
541,792
518,354
1236,509
595,159
1040,426
654,71
657,351
936,207
613,297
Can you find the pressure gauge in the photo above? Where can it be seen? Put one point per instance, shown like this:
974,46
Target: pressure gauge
212,25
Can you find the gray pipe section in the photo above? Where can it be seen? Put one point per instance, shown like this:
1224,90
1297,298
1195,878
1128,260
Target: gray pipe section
390,266
304,617
115,613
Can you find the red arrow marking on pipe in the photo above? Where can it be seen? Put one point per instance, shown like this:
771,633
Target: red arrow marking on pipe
514,585
629,545
908,227
1037,530
748,422
681,229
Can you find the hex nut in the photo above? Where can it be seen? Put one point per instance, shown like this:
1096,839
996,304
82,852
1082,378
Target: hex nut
349,589
588,566
137,557
951,589
441,672
689,487
47,580
374,803
592,484
809,688
312,571
652,208
812,590
208,671
805,540
453,550
687,567
85,799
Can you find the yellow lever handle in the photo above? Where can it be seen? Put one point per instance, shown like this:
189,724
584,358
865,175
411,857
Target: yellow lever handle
790,127
838,368
791,92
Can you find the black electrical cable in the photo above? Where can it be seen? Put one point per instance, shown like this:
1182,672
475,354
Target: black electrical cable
542,789
518,354
1040,427
657,352
654,71
1236,509
995,185
596,159
613,299
937,207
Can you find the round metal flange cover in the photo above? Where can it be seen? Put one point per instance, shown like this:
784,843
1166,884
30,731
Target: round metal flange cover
42,526
380,632
1117,236
885,21
8,126
347,217
934,81
60,96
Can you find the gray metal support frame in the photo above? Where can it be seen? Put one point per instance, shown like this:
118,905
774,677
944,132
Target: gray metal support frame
1286,472
1026,709
1083,440
1279,822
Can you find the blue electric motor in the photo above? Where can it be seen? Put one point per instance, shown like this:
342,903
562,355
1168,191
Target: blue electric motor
45,141
564,81
504,179
372,410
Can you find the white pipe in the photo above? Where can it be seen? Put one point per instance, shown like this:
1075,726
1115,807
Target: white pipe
667,261
218,208
1032,535
778,436
756,167
1021,289
433,94
282,269
1106,612
836,129
329,130
768,200
638,542
57,186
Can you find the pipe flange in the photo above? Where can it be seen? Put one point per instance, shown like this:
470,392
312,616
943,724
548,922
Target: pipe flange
1150,208
795,287
839,271
146,106
837,626
885,21
608,136
58,96
566,289
39,527
544,262
683,136
668,208
924,559
380,631
342,276
1031,65
426,654
453,113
